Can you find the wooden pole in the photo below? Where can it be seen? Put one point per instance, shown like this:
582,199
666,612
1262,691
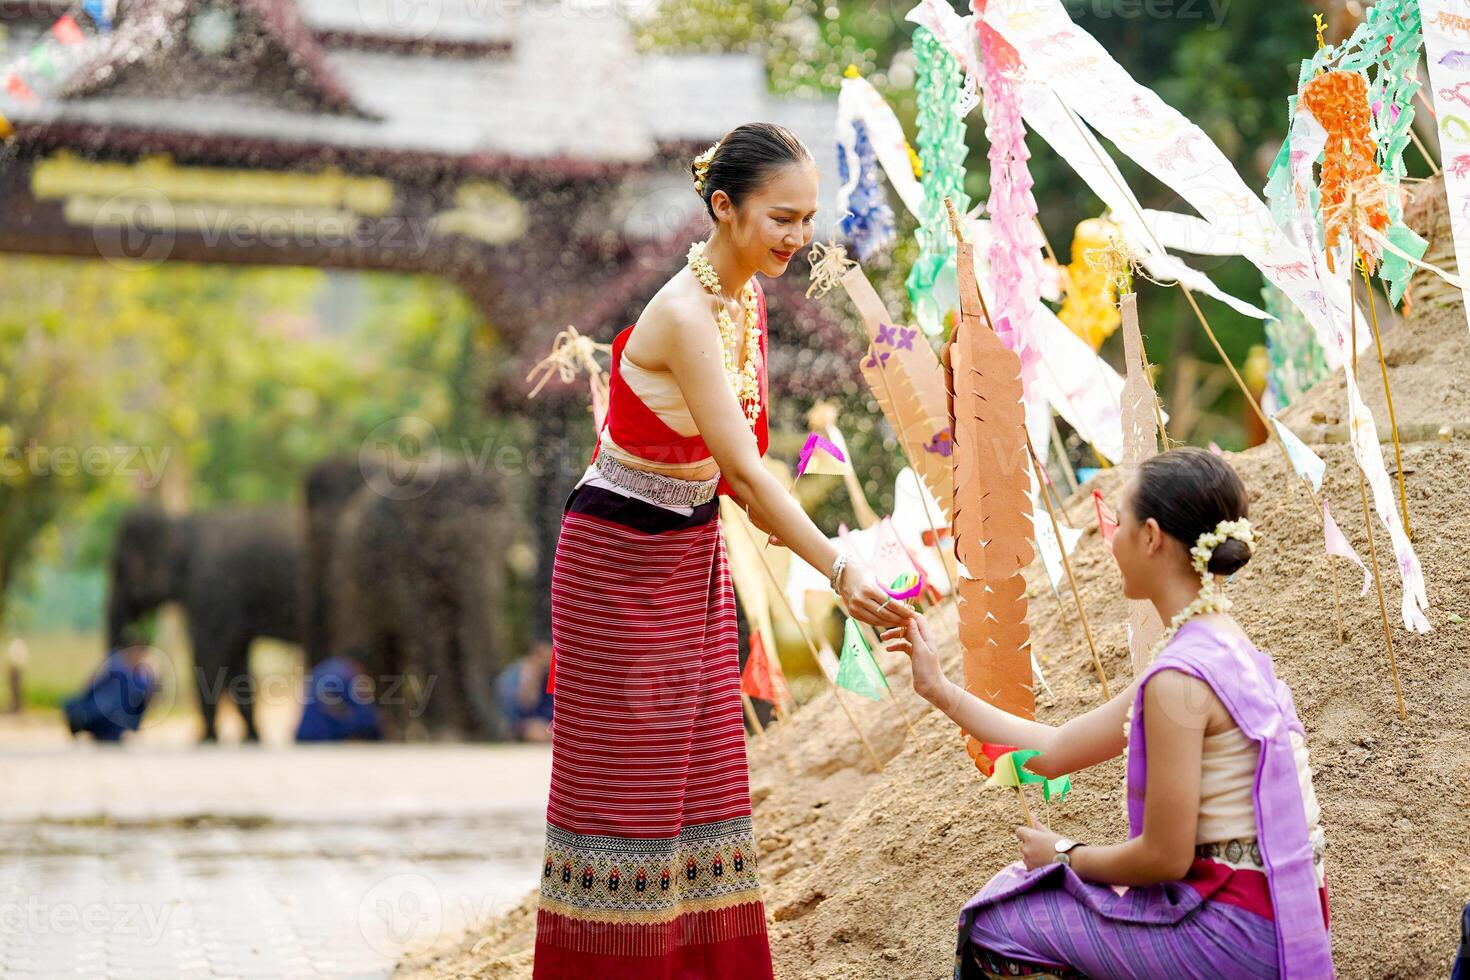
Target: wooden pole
1071,579
1393,424
1025,810
1061,450
1368,523
836,692
874,642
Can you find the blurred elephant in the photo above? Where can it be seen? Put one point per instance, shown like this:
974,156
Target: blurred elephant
405,575
233,570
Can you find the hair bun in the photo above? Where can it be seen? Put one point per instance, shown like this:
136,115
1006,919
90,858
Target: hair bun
1229,557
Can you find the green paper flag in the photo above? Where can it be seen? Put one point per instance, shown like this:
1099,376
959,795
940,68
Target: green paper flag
1009,771
857,671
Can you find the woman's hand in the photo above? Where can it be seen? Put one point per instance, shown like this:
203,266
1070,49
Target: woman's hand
866,600
914,640
1038,845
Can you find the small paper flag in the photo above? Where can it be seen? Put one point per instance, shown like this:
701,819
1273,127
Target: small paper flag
1338,545
857,671
990,751
17,87
1107,521
1051,551
906,586
1303,460
66,31
97,10
1009,770
821,456
762,679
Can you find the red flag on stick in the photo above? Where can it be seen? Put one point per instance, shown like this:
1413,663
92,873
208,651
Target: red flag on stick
761,679
1107,521
66,31
17,87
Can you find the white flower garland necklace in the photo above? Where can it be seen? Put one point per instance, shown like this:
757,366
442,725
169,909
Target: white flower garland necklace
745,379
1210,599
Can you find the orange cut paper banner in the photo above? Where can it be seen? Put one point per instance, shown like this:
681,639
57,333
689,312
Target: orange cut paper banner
1350,172
992,511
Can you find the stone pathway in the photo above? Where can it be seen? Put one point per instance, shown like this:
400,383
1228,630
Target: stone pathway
325,861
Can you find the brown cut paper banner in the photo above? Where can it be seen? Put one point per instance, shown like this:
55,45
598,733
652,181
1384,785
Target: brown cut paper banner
1140,441
992,513
908,382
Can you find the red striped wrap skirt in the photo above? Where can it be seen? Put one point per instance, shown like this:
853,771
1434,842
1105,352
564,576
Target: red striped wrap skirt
650,863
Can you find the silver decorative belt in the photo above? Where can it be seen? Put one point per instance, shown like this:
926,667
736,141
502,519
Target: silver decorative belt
668,490
1247,850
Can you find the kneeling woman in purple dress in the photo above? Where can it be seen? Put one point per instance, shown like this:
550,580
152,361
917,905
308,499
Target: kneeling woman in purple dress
1221,875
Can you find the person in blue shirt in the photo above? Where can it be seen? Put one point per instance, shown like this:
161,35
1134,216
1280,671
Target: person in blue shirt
338,704
524,700
115,697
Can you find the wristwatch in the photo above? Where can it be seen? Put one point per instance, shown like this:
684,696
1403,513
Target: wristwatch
1064,848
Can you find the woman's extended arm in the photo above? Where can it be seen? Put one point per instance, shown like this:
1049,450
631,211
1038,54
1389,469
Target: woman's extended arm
696,359
1174,742
1086,740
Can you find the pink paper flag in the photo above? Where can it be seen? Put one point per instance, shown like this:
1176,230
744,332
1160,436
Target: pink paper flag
1339,546
815,444
66,30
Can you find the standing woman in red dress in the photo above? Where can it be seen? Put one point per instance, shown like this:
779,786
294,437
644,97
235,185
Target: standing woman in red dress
650,870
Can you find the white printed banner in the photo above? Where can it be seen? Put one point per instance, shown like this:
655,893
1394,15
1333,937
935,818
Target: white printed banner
1073,65
1447,49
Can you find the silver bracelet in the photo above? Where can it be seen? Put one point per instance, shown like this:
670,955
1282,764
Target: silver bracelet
835,576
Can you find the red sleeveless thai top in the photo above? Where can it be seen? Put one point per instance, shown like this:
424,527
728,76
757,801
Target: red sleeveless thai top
638,430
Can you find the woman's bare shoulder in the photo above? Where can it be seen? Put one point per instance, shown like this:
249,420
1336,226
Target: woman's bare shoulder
677,307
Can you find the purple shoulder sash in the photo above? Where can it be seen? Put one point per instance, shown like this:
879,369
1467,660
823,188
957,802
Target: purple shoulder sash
1242,678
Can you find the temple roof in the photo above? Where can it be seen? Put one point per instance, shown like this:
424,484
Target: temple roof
472,81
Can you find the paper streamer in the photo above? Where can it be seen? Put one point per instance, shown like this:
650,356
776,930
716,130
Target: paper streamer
1140,442
1447,49
1307,141
1076,144
1386,46
1082,74
858,101
1015,245
867,219
930,283
1338,545
1050,548
1297,361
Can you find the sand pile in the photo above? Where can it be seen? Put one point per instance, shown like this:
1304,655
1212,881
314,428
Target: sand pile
864,872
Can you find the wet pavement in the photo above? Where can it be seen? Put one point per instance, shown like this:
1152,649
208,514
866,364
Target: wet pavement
332,861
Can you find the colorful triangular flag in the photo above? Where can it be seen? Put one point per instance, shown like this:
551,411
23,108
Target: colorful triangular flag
97,10
821,455
1008,770
1107,521
66,31
1307,463
17,87
857,671
761,678
1338,545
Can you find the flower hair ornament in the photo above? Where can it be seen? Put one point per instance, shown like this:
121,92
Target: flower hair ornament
701,165
1210,599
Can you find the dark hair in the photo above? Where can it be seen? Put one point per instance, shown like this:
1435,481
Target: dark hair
746,158
1189,491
